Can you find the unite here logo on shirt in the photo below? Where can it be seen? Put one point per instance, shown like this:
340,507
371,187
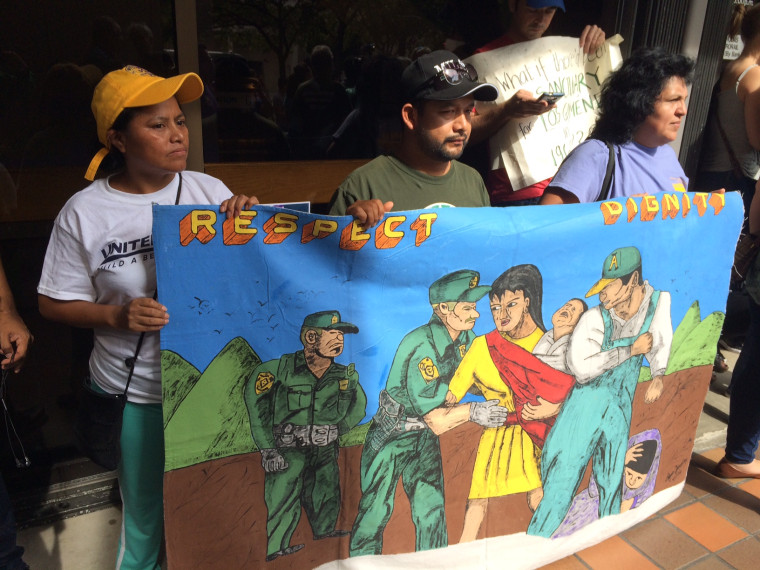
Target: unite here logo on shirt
115,253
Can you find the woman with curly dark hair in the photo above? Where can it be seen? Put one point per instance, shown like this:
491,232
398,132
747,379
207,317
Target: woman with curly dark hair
641,108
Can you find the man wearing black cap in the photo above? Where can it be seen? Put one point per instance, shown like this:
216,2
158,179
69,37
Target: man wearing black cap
298,405
402,442
440,91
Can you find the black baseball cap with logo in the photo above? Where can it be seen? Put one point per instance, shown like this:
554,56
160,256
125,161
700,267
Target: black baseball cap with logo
442,76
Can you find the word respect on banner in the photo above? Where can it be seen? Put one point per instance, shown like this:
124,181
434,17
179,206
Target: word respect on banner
203,225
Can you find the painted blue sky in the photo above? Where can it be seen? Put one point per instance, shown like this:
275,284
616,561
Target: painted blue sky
262,292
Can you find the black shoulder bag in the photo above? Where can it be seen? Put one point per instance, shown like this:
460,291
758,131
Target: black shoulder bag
97,427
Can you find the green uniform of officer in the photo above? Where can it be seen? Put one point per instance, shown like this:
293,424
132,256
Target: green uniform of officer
399,443
298,406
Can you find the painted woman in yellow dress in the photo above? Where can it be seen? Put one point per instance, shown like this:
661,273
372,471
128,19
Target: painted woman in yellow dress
507,460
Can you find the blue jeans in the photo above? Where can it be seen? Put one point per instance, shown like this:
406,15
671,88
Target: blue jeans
10,552
744,413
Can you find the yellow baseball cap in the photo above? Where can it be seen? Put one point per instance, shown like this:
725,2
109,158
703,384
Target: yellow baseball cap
133,86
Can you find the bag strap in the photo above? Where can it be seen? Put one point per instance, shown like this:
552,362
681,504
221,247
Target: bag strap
179,189
605,192
132,360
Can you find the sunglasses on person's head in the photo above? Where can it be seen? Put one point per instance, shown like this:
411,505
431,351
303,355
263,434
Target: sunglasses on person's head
452,73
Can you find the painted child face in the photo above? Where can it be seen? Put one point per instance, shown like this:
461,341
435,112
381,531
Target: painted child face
568,314
633,479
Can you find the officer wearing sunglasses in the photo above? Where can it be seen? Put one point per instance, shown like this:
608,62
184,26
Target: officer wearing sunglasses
440,91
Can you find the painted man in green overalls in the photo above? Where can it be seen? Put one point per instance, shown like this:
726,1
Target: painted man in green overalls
298,406
402,442
605,354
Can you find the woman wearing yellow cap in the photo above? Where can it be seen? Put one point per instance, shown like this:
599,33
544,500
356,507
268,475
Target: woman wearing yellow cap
100,273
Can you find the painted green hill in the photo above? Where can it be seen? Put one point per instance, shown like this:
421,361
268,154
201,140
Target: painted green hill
178,377
694,342
211,421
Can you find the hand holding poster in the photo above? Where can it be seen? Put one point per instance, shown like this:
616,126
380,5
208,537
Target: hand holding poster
334,395
532,148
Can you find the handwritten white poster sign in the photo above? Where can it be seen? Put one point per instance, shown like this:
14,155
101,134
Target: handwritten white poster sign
532,148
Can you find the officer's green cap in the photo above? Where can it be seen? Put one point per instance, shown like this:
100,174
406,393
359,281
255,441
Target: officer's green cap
328,320
619,263
460,286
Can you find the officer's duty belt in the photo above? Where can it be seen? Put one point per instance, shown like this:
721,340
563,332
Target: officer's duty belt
394,412
291,435
412,424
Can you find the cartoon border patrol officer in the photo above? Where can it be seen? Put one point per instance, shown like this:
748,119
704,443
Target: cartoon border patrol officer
298,406
402,441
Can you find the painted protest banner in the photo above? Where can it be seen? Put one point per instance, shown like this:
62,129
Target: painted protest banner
326,389
532,148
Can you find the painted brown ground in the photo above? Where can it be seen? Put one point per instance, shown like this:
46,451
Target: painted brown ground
216,516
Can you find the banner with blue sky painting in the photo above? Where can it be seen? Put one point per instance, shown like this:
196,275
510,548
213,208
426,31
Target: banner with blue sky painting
420,388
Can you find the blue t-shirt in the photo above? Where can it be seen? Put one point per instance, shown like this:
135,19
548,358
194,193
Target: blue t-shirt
638,170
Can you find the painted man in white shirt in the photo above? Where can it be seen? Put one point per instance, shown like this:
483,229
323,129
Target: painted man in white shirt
604,354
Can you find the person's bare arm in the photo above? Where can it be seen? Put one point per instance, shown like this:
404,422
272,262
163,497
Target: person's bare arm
139,315
15,338
749,88
754,211
556,195
491,117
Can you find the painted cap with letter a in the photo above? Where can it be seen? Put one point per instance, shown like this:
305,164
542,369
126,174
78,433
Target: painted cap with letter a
619,263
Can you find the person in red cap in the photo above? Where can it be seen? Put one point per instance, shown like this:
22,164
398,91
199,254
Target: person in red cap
99,272
439,93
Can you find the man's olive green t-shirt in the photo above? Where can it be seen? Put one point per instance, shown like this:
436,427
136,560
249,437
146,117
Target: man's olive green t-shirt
388,179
